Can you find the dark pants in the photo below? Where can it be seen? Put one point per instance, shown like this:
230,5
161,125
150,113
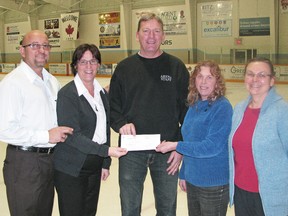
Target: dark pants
207,201
133,169
28,177
247,203
78,196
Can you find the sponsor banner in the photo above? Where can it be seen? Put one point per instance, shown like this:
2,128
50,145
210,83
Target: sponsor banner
216,10
233,72
217,28
109,28
69,26
14,39
108,18
254,26
13,35
52,30
106,69
12,30
176,29
236,72
281,72
174,19
109,42
58,68
6,67
174,22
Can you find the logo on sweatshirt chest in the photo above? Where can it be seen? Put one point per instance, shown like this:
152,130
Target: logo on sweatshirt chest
166,78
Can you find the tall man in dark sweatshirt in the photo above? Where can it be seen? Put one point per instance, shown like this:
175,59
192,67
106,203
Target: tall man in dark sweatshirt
147,96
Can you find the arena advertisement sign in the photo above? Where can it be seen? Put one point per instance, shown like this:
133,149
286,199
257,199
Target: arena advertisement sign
216,10
216,19
235,72
259,26
14,33
174,24
52,30
109,26
217,28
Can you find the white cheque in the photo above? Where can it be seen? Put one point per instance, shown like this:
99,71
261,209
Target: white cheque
140,142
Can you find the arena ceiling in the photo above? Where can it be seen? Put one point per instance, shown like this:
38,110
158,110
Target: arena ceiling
83,6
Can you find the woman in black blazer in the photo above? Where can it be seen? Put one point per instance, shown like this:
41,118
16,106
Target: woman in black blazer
83,160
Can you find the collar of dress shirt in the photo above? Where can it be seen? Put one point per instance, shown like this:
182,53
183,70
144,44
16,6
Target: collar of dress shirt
32,76
82,89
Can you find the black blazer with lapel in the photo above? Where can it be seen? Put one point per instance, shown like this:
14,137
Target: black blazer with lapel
76,112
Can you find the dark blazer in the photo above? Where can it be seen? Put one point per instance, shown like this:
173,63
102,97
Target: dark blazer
75,112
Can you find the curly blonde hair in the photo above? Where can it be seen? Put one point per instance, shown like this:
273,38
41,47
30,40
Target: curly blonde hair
215,71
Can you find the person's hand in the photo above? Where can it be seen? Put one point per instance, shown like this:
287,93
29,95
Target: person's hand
182,185
59,134
128,129
175,161
164,146
105,174
117,152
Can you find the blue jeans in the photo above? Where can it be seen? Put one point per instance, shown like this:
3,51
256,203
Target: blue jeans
207,201
133,169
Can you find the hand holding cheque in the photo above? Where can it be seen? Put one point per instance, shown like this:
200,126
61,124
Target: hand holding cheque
133,142
140,142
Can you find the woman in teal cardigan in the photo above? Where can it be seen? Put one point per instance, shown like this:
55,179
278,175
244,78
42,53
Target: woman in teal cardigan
258,146
204,174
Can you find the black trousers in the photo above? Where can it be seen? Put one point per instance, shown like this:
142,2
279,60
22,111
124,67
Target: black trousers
78,196
247,203
28,177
